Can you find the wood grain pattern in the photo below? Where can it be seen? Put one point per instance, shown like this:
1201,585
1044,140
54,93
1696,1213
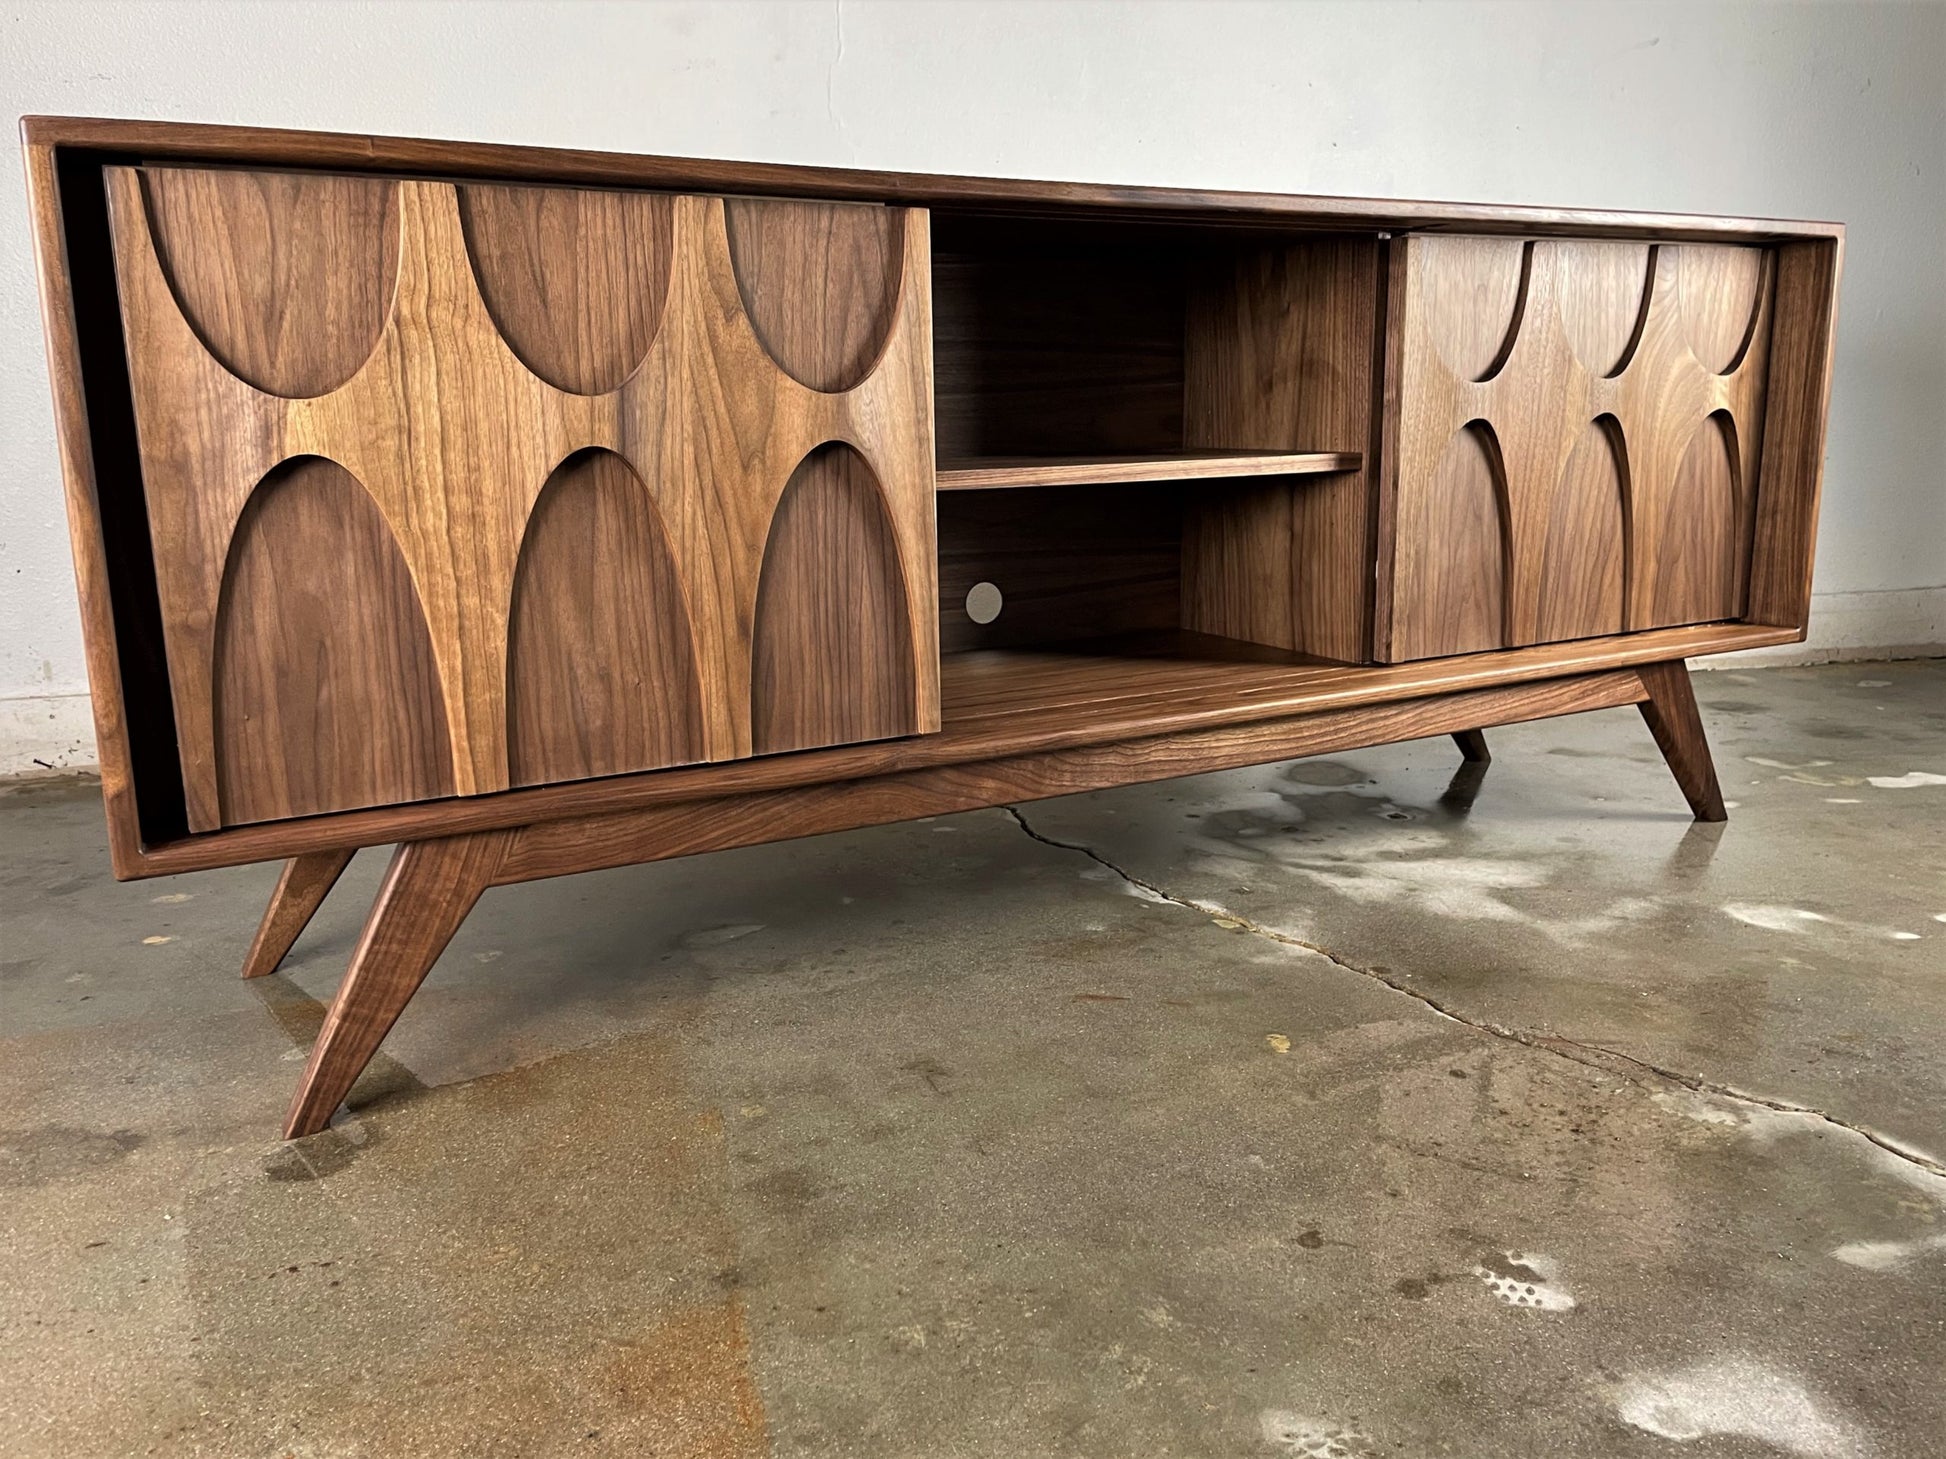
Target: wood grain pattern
454,438
1051,344
576,279
1705,537
601,664
820,283
997,703
1670,711
268,146
989,473
1079,562
64,161
1473,290
301,889
832,643
427,892
1460,598
1791,478
286,277
1282,344
324,695
1719,287
121,618
1539,403
1584,559
682,829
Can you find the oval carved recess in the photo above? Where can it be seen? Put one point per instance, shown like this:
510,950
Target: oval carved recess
1698,571
819,282
326,696
1459,595
831,657
576,279
1472,300
1603,293
601,668
1584,562
286,277
1720,286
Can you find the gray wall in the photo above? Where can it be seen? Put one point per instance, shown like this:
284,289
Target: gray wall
1817,111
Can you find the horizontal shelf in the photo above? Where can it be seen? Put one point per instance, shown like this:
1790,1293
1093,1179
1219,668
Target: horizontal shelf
988,473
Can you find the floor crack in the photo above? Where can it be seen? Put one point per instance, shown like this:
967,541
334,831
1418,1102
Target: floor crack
1593,1056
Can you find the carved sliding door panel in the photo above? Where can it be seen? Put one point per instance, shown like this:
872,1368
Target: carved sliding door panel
1579,427
527,484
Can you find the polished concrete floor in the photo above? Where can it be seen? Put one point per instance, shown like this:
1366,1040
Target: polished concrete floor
1354,1107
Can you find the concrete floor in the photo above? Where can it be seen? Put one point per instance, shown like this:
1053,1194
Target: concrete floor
947,1140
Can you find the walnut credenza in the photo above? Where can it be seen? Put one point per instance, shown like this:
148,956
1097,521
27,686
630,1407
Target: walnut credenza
542,511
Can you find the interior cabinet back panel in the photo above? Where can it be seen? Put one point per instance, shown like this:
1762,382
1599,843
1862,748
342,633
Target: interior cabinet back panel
1579,428
547,431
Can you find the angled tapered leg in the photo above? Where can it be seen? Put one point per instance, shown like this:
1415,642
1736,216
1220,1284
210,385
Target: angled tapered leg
1473,746
301,890
427,892
1670,710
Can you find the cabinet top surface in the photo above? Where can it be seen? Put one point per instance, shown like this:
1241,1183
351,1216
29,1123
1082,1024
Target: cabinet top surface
262,146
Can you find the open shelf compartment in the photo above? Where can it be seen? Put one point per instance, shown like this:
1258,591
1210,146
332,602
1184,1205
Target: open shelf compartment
1155,429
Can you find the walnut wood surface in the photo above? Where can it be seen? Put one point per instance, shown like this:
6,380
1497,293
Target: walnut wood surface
326,693
576,279
833,662
820,283
563,847
1693,326
998,703
266,146
1073,562
1791,478
453,437
1584,560
1281,352
323,253
1053,340
1018,471
601,662
1672,718
81,351
301,889
136,718
427,892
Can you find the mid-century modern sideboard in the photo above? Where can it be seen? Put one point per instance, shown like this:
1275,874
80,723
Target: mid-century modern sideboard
540,511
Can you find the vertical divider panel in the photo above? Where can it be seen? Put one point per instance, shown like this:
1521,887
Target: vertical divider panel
1278,356
454,435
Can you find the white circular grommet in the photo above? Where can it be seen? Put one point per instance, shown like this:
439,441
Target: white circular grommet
983,603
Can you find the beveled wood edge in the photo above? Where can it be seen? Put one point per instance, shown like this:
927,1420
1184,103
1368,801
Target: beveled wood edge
257,146
86,542
1112,470
845,764
656,833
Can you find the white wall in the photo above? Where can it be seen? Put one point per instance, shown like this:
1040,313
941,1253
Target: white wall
1831,111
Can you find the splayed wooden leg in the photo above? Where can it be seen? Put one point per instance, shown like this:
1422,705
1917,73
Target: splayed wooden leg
1473,746
301,890
427,892
1671,713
